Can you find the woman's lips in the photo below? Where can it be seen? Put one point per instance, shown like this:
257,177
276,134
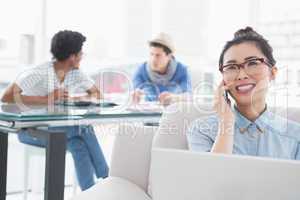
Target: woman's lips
245,88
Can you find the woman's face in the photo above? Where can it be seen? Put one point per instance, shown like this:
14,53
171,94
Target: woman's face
249,85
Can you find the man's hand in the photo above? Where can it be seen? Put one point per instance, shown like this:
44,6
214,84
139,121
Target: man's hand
166,98
137,95
58,95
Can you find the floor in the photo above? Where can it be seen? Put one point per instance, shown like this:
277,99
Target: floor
105,135
39,196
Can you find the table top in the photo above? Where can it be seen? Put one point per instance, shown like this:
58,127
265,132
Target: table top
10,114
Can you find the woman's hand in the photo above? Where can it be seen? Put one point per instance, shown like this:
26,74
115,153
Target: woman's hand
225,136
221,106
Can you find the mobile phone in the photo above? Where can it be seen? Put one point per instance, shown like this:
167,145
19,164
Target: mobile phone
226,97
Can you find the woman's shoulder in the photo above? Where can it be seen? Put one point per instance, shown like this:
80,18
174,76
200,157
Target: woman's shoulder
285,126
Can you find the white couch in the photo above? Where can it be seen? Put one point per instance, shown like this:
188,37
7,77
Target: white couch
129,167
130,162
131,158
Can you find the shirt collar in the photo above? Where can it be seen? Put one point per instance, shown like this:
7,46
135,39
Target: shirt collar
263,120
243,123
54,76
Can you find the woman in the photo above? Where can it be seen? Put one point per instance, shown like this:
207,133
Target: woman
248,128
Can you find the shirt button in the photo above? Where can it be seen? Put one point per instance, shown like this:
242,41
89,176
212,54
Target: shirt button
243,130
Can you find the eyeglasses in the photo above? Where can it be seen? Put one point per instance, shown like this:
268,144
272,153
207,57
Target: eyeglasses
252,67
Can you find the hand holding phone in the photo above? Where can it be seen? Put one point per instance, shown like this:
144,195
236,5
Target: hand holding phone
223,102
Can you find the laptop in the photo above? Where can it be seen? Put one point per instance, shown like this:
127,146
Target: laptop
186,175
104,104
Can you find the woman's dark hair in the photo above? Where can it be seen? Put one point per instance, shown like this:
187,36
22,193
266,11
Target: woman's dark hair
65,43
165,48
249,35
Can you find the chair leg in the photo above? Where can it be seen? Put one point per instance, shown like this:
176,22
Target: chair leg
25,174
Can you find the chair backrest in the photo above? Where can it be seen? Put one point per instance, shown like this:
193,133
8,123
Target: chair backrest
131,153
291,113
175,122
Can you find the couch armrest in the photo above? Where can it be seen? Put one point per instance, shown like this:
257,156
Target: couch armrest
113,188
131,153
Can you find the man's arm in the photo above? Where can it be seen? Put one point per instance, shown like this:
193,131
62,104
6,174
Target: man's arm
138,82
13,94
8,96
185,82
89,86
185,93
92,93
166,98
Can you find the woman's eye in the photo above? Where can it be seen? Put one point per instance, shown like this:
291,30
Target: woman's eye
231,67
253,63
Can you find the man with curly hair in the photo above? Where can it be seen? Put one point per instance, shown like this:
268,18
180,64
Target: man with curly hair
54,81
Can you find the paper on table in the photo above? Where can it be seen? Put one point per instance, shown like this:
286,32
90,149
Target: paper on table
146,107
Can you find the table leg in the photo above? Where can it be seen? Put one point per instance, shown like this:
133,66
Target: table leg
3,165
55,166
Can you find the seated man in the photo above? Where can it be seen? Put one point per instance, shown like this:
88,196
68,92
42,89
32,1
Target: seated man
162,78
53,81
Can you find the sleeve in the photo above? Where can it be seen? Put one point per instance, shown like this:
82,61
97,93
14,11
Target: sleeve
85,81
138,78
151,92
199,136
185,82
140,82
28,80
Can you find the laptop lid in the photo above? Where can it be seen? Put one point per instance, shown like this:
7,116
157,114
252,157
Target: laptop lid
185,175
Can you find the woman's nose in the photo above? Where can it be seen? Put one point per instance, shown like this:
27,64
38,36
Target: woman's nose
242,74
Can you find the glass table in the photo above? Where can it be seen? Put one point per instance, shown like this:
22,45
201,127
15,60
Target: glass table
36,119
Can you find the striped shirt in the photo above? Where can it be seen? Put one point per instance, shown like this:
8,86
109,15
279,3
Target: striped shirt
42,80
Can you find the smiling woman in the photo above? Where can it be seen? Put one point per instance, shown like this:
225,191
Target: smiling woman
247,66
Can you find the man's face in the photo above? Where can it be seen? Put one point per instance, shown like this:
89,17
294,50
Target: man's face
159,60
76,58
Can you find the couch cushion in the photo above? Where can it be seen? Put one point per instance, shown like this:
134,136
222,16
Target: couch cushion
113,188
